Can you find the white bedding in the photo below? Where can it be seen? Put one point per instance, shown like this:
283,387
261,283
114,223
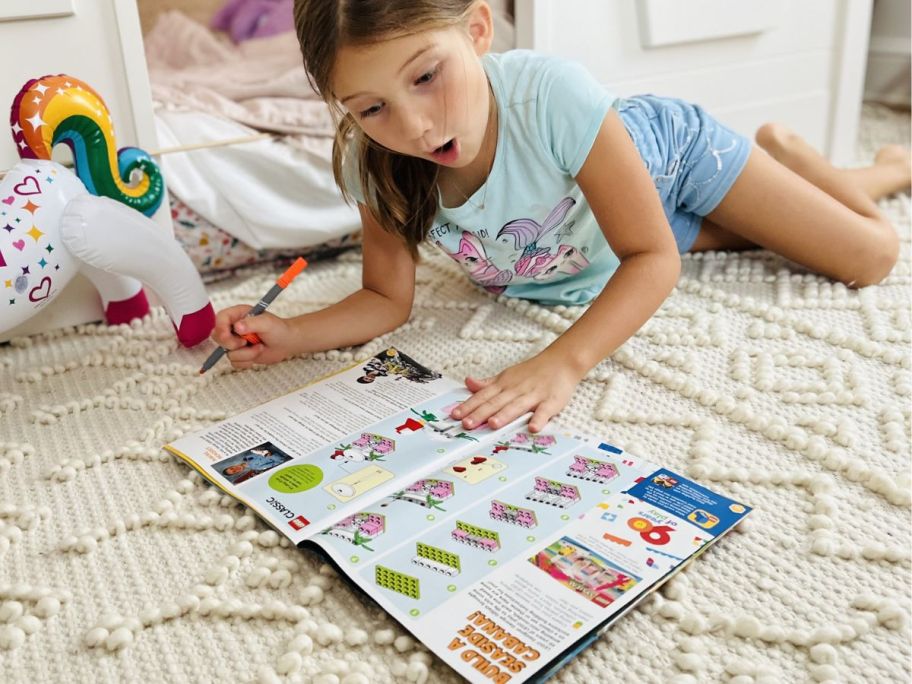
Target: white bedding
268,194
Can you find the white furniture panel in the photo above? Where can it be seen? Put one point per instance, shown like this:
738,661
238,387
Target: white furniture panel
746,61
666,22
34,9
99,42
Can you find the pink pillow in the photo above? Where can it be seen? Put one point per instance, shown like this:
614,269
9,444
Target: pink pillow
246,19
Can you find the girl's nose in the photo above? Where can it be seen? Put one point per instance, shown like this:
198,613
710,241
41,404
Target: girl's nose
415,123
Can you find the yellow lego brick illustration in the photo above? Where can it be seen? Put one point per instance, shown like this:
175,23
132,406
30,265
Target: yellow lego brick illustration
358,482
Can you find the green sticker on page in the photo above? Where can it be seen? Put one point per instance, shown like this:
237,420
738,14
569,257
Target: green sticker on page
296,478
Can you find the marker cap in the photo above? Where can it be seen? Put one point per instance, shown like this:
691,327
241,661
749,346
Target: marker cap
299,265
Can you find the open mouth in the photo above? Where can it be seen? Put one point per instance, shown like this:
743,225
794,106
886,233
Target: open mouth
447,153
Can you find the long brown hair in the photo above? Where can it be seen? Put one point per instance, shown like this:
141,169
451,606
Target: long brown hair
400,191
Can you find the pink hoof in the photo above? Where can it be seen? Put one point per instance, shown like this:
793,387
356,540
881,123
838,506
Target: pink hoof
196,327
126,310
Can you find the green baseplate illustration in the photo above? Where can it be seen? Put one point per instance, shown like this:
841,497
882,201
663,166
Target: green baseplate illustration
397,581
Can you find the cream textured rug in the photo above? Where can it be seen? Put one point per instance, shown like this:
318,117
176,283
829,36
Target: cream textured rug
776,387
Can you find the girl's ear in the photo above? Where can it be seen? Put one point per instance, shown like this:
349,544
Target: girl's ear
480,25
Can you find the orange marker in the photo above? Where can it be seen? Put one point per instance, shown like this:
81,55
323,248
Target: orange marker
283,281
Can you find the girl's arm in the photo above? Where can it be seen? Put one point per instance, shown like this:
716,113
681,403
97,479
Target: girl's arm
624,201
383,303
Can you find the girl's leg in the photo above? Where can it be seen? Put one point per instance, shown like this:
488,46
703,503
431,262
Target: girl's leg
806,210
856,188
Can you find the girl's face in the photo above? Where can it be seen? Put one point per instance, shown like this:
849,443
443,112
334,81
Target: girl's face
424,94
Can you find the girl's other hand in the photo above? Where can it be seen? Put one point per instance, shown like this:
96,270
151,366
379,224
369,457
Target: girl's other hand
275,336
541,384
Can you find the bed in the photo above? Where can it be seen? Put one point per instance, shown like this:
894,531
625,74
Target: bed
256,182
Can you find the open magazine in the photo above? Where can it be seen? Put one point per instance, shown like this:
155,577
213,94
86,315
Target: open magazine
504,552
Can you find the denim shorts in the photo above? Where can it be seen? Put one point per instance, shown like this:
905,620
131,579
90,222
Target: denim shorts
692,158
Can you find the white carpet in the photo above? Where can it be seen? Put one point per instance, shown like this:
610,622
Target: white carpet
775,387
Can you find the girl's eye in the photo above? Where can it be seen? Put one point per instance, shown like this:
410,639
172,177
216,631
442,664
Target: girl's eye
426,78
370,111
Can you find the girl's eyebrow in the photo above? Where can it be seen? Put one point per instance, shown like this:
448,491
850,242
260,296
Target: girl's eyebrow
411,59
415,56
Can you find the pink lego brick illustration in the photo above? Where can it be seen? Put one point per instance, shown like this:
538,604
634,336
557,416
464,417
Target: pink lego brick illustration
476,537
368,447
526,441
592,470
358,529
515,515
429,493
553,493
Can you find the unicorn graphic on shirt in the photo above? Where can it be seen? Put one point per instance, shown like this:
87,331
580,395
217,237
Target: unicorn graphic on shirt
538,262
473,258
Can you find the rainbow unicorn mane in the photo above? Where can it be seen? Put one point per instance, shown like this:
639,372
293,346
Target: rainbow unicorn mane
62,109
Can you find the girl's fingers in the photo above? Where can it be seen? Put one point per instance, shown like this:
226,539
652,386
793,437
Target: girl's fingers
476,400
543,413
233,343
262,324
224,320
507,415
247,354
486,410
476,384
222,333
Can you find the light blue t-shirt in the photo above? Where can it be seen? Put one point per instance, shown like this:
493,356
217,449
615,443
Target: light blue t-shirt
528,231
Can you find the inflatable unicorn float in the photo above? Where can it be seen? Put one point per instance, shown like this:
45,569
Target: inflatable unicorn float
55,223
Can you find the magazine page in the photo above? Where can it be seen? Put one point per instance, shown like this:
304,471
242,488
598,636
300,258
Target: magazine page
505,559
496,497
314,456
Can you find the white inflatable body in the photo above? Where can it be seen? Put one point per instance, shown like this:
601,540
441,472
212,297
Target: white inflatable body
51,228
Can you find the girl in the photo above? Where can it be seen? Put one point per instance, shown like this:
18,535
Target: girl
542,185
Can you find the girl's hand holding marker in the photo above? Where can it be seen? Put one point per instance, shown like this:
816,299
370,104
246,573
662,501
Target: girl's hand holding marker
234,333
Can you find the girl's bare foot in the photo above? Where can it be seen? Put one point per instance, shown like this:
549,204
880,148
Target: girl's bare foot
890,173
898,157
893,153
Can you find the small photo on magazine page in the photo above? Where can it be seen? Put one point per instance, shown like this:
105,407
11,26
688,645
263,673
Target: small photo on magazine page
586,572
394,364
250,463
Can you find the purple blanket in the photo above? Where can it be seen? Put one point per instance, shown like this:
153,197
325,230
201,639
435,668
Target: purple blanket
246,19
